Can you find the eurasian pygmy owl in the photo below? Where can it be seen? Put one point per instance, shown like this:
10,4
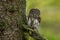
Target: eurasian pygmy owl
34,19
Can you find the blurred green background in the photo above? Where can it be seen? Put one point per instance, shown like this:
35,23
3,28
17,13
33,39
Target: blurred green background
50,17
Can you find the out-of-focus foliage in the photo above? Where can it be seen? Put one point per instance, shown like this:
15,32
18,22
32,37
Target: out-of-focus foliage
42,3
50,16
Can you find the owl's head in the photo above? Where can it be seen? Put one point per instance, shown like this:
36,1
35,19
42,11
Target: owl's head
34,13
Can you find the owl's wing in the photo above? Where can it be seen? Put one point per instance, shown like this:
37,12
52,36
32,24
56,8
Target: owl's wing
39,19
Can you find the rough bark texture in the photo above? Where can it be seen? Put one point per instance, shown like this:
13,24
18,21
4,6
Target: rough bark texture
12,13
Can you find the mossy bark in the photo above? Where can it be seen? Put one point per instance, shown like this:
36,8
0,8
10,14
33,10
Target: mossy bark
12,15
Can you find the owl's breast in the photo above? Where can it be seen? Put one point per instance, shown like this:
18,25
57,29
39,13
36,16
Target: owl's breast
36,23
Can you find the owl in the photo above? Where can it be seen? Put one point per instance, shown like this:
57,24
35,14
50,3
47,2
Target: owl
34,19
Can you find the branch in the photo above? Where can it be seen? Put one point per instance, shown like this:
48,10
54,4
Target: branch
33,33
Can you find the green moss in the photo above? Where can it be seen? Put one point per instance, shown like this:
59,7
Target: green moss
2,25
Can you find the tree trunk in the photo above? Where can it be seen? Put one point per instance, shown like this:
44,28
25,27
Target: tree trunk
12,16
13,23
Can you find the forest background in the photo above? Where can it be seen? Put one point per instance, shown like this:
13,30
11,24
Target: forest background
50,17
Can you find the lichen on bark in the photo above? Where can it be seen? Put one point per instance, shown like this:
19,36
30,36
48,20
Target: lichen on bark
10,17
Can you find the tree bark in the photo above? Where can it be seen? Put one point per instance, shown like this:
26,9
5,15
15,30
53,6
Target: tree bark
12,16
